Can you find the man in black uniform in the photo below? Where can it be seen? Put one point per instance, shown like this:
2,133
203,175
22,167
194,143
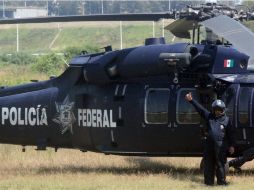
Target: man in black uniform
236,163
219,140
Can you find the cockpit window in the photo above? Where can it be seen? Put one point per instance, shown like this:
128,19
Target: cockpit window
185,112
156,106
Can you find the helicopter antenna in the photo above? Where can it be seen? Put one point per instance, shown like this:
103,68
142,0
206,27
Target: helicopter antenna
198,40
193,33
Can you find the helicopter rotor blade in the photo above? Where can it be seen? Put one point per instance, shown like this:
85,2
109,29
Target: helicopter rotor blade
101,17
234,32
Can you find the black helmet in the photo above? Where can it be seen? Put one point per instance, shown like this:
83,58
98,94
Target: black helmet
218,104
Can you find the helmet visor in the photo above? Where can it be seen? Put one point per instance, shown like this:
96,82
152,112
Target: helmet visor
218,109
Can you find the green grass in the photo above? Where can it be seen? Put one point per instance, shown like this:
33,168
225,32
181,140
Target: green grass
7,42
100,36
12,74
37,38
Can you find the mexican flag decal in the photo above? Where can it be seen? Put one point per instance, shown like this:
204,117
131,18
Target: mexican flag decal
228,63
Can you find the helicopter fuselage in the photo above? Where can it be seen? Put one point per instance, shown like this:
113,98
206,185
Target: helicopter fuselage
137,107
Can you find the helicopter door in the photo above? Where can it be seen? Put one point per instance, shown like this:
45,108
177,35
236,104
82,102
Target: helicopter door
231,98
243,114
188,121
156,131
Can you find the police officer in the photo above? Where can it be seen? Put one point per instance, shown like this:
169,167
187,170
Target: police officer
219,140
236,163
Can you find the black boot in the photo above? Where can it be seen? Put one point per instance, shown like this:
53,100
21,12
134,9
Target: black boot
237,163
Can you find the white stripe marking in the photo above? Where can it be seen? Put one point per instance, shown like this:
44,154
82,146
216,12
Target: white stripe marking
124,89
116,91
244,134
112,136
120,112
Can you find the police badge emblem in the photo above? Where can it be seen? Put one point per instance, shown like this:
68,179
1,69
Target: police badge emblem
65,116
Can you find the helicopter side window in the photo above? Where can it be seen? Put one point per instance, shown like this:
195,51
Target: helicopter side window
229,99
156,106
185,112
243,106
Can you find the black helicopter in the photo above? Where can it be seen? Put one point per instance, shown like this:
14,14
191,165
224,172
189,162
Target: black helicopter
131,101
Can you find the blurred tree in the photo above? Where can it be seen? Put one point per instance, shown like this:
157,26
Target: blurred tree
53,8
68,7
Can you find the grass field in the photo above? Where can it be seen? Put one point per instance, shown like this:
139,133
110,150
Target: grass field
38,38
72,169
12,74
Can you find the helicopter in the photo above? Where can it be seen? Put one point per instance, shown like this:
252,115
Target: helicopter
131,102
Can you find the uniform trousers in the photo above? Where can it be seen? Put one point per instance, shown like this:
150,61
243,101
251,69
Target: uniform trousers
215,158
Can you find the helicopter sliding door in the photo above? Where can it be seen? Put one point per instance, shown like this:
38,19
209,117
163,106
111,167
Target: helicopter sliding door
239,101
171,124
188,122
231,99
157,115
244,115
